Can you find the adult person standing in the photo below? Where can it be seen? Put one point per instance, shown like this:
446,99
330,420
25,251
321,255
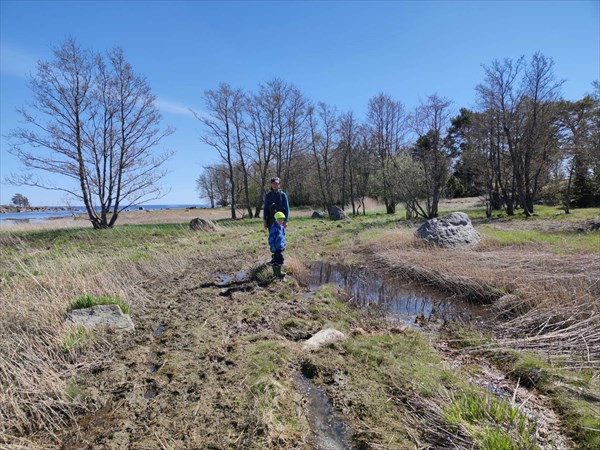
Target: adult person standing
276,214
275,200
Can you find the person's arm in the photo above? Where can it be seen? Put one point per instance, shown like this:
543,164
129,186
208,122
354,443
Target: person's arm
265,211
286,207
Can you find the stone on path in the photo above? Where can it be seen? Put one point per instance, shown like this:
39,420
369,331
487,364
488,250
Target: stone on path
101,316
323,337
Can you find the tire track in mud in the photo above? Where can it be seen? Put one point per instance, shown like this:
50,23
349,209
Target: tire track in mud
168,386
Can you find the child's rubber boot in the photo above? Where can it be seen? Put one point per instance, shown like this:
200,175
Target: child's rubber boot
277,271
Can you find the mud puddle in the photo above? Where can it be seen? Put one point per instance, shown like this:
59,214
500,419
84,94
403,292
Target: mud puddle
406,303
160,329
328,429
225,280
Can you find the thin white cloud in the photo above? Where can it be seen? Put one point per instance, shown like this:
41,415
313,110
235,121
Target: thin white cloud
171,107
15,62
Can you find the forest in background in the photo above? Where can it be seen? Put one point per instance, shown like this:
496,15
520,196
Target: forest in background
524,145
93,120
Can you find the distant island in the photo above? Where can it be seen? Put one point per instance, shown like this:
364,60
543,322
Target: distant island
10,209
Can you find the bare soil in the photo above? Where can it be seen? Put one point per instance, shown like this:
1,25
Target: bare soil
178,380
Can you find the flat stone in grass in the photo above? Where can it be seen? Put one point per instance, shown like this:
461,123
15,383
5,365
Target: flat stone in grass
101,316
199,224
454,231
323,337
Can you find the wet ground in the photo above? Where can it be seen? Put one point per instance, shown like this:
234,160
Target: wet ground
401,301
176,381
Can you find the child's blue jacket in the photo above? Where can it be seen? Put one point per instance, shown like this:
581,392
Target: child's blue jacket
276,237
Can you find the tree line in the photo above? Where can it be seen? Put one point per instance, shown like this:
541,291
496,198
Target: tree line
523,145
93,121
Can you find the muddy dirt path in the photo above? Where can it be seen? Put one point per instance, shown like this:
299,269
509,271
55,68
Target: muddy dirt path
180,381
174,382
170,374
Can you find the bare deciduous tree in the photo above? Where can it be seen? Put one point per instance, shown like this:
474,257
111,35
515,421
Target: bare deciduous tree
262,131
223,131
386,123
94,121
430,122
348,131
322,122
523,94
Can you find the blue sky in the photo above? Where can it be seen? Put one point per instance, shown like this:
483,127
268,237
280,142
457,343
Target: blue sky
341,52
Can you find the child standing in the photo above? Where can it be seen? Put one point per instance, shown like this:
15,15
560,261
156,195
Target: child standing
277,242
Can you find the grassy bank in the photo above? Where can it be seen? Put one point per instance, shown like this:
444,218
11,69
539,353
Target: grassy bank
228,356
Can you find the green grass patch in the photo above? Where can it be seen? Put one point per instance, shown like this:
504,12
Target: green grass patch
253,310
139,256
263,274
494,424
266,360
407,360
541,212
531,371
374,374
580,414
573,394
87,301
78,338
461,335
561,241
330,311
293,323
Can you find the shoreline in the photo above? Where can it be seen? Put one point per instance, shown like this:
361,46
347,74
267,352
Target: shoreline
130,217
9,209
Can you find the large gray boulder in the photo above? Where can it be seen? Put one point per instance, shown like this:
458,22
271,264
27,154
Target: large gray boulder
101,316
453,231
199,224
336,213
323,337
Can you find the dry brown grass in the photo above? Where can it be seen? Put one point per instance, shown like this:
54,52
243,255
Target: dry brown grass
36,371
554,305
299,270
140,217
35,368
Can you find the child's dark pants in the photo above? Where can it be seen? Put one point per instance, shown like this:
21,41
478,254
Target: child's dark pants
278,258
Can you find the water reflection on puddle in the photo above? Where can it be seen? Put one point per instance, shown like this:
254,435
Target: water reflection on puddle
402,302
224,279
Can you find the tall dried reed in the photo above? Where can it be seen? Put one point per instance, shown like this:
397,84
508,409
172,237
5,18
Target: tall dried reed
36,286
544,300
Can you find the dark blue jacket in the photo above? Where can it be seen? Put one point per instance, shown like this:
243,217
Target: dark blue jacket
275,201
276,237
